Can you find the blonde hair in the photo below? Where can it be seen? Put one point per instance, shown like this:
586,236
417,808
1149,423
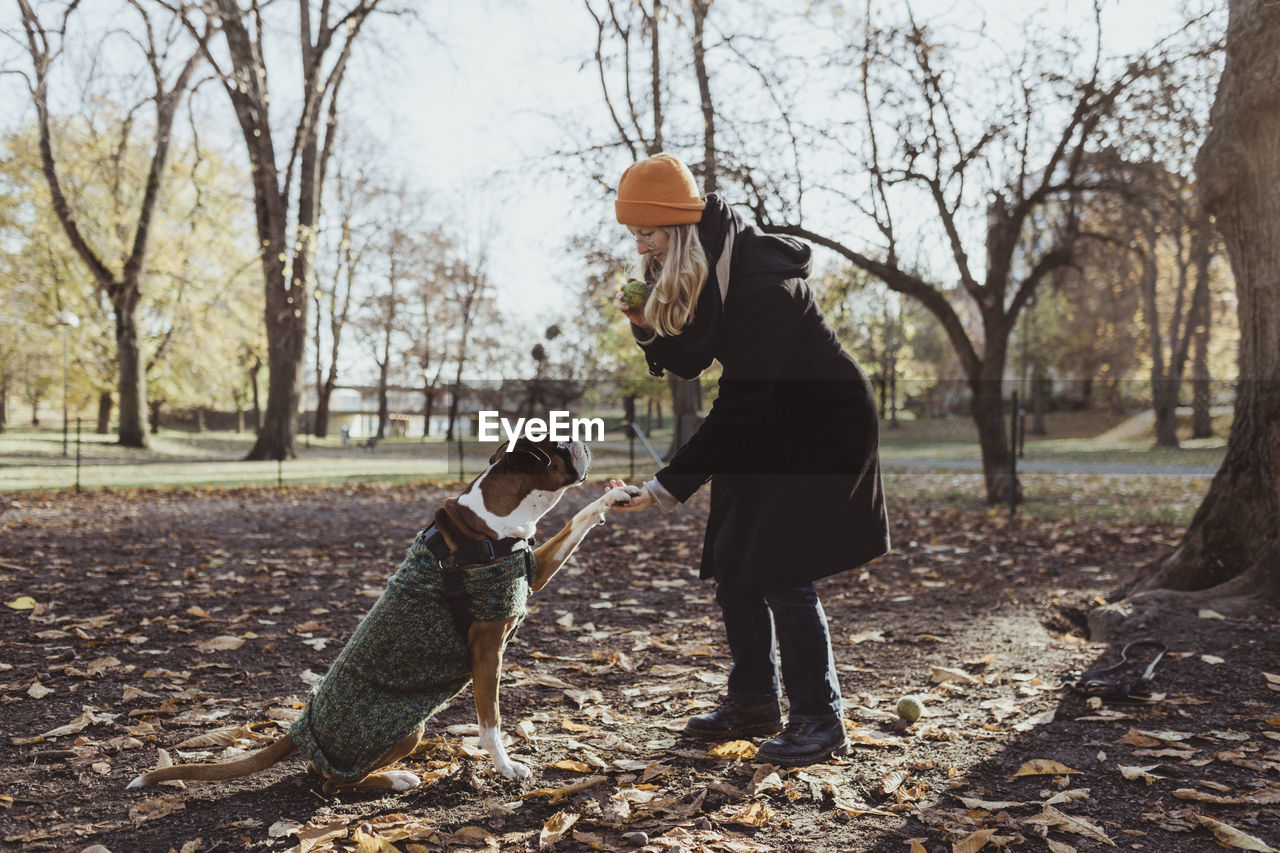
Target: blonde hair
677,282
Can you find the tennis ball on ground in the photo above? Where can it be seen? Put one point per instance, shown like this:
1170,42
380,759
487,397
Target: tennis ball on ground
910,709
634,294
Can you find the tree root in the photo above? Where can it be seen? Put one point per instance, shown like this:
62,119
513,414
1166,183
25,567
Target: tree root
1253,592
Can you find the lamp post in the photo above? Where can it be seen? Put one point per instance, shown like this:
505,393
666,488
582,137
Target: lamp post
67,321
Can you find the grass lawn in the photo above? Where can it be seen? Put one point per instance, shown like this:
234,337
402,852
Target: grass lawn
1169,491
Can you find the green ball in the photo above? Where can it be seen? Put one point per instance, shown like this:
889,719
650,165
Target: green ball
635,294
910,709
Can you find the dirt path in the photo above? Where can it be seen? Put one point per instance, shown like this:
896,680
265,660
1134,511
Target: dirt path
165,616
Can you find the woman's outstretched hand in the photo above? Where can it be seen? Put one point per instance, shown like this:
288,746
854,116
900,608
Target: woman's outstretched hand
641,498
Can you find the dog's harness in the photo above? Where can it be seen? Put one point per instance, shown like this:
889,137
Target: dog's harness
473,553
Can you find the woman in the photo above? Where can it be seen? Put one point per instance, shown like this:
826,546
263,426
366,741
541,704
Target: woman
790,446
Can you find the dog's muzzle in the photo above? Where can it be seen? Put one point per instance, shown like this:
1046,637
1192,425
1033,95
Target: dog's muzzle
579,458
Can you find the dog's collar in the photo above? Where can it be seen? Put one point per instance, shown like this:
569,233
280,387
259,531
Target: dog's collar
475,552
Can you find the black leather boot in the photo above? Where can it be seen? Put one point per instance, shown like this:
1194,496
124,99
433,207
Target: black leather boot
803,743
736,717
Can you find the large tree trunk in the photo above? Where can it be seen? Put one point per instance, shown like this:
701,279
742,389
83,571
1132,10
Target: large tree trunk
133,379
322,409
989,415
1231,545
384,408
1202,398
123,290
1164,402
710,176
105,404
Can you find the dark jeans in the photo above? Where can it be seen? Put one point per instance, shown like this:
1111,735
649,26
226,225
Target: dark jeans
752,618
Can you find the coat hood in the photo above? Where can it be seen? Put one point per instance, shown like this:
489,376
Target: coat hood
734,246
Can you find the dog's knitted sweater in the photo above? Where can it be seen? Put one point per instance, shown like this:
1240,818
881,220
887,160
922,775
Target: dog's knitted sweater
404,662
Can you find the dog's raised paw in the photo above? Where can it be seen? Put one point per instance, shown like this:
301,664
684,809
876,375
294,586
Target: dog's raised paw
402,780
621,495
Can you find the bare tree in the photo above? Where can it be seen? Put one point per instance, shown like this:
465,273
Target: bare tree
640,127
1174,241
1230,552
287,182
118,278
430,342
469,287
334,298
1030,163
395,252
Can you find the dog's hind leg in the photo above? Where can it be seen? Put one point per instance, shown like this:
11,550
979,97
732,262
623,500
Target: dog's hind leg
390,780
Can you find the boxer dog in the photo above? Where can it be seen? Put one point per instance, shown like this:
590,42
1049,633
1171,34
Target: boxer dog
442,622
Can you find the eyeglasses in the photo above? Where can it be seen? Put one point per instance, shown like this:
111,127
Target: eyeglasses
645,240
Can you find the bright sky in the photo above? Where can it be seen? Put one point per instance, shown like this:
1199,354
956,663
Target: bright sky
494,93
469,111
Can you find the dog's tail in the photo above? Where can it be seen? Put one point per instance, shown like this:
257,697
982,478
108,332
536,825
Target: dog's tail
217,771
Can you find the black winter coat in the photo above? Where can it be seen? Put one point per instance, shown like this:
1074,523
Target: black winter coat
791,444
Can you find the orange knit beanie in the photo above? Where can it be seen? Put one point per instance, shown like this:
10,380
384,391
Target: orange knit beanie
656,192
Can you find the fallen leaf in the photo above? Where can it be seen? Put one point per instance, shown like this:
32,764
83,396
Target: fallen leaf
766,779
1133,773
916,845
1043,767
873,636
317,836
755,814
1059,846
1133,737
38,690
1074,795
77,725
223,643
1070,823
557,794
283,827
973,842
1233,837
473,836
556,828
892,781
1261,797
987,805
575,766
371,843
942,675
129,693
583,697
22,602
1212,659
155,809
742,750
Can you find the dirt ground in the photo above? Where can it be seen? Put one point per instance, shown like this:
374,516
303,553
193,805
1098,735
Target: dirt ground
168,617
